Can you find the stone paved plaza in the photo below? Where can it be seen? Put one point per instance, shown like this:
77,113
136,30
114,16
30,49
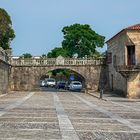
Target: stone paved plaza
67,116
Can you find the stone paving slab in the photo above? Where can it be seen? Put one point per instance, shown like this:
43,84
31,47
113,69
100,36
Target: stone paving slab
30,134
67,116
102,127
29,119
30,115
29,125
108,136
94,121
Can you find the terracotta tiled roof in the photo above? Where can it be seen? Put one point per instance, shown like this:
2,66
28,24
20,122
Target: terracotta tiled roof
133,27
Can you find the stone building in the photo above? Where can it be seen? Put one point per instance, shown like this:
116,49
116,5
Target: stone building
123,59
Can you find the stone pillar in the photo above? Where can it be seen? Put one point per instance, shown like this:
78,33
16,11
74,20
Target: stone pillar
125,55
133,86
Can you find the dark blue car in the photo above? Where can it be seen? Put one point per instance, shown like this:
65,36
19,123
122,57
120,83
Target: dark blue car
61,85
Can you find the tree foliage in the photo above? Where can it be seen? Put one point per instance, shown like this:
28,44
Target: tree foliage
44,56
26,55
56,52
63,72
81,39
6,32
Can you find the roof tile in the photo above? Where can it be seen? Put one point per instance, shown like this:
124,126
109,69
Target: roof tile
133,27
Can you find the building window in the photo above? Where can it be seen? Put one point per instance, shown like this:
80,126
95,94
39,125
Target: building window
131,55
114,61
109,57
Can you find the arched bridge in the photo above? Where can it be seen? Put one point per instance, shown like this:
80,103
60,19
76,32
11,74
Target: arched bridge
25,73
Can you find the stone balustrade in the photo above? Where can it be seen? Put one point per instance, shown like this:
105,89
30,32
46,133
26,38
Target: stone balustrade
55,61
131,68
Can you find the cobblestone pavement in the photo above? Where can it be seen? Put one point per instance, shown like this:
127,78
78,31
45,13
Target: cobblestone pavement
67,116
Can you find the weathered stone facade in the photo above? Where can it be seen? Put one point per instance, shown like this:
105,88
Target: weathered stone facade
4,72
28,77
124,60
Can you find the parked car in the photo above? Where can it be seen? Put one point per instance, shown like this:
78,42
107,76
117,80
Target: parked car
67,85
61,84
50,82
75,86
42,83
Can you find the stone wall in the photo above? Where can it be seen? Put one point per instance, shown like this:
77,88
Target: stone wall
134,86
134,80
28,77
4,72
134,37
118,47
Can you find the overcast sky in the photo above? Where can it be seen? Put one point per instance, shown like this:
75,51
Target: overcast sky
38,23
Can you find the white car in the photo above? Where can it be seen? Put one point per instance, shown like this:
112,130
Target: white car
50,82
75,86
42,84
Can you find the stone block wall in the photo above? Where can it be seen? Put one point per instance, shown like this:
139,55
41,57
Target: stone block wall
117,48
134,37
134,86
4,72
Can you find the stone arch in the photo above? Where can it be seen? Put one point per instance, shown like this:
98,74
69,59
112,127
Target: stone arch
73,70
80,70
27,77
67,68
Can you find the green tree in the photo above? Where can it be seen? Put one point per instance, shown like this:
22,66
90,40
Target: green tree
26,55
81,39
6,32
97,54
44,56
63,72
56,52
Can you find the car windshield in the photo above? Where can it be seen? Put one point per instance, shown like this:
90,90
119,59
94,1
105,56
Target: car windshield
51,80
77,83
62,83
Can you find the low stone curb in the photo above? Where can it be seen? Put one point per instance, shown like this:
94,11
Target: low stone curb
2,95
97,95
